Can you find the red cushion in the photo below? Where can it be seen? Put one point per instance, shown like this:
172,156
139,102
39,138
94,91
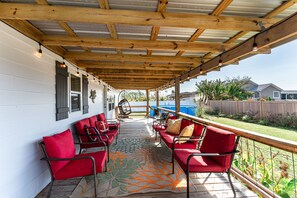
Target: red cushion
198,129
81,130
168,140
93,121
101,117
59,146
159,127
79,168
113,125
218,141
197,163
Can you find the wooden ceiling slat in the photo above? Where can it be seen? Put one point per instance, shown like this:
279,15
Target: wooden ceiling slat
130,58
92,15
133,44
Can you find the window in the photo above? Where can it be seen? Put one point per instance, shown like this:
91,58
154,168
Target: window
283,96
75,93
276,94
110,101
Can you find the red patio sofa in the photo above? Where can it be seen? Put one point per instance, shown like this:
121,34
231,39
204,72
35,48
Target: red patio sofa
90,130
170,139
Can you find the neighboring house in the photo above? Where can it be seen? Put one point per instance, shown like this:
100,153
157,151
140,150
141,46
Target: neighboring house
269,90
187,97
289,95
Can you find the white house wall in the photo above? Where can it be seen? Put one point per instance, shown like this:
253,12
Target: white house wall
27,106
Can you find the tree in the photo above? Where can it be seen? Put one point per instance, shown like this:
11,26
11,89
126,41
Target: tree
230,89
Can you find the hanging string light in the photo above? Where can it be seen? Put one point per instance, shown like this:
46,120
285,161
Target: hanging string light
39,53
77,72
63,65
220,62
255,46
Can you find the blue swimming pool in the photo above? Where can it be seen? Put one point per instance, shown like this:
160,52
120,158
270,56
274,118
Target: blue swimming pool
188,109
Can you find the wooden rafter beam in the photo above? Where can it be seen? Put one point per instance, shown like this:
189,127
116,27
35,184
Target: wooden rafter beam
217,11
121,75
133,44
132,71
111,27
156,29
143,66
93,15
131,58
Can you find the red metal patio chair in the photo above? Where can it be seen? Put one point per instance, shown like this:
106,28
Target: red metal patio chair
59,152
214,156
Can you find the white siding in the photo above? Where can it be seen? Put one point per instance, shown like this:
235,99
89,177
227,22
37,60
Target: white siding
27,112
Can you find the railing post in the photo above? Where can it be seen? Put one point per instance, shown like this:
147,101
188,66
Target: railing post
177,99
157,99
147,103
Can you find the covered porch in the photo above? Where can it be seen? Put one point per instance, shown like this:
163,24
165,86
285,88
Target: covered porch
64,61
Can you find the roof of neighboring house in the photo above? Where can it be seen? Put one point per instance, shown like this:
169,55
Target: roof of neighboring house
183,94
260,87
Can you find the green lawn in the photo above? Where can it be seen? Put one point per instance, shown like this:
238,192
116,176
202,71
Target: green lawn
288,134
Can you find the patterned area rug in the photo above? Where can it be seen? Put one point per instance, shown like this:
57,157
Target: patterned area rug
138,165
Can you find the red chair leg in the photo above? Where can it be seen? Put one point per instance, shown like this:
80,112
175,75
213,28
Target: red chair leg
231,184
173,167
188,184
50,189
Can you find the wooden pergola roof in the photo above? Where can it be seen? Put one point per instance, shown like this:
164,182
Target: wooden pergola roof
150,44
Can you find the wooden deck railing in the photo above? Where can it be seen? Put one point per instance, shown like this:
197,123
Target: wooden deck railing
276,155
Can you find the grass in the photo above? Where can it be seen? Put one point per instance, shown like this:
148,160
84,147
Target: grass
287,134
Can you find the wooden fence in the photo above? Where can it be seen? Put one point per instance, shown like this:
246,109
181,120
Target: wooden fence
259,109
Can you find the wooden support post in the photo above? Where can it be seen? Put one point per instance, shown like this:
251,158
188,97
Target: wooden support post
177,99
147,103
157,98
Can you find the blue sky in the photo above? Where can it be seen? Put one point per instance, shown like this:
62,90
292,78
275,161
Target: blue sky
279,68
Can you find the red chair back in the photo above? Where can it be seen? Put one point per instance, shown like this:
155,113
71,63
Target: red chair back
93,121
80,128
59,146
219,141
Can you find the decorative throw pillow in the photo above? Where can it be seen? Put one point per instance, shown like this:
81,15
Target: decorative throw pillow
102,126
188,132
173,126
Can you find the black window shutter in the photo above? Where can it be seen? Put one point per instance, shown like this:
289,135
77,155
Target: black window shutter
85,99
61,92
